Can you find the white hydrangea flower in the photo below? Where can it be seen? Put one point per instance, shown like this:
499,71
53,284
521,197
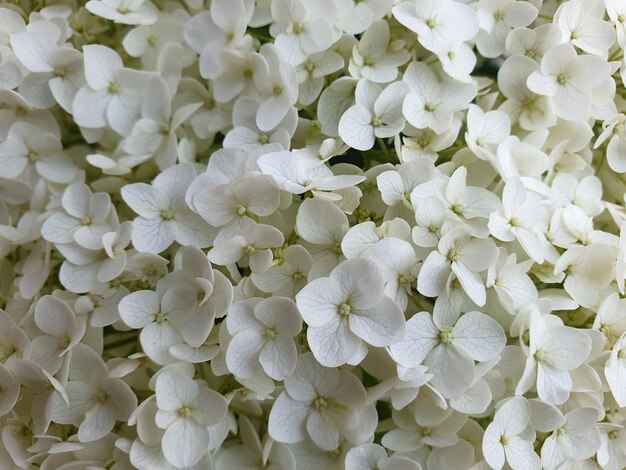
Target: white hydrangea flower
554,351
582,23
163,215
112,95
318,403
432,102
96,399
300,28
517,219
262,343
373,456
347,309
438,24
376,114
496,19
448,347
186,409
569,78
124,11
504,439
458,253
26,149
375,57
84,220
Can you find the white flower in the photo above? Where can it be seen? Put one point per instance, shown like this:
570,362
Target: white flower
289,277
211,289
323,225
582,23
219,29
163,215
62,332
609,319
256,243
504,438
496,19
568,79
615,133
588,270
470,205
533,43
374,456
26,149
398,265
96,400
375,58
262,343
426,142
234,207
615,370
517,219
360,238
112,96
186,409
311,74
485,131
448,347
301,28
533,111
319,403
554,351
245,131
346,309
397,185
354,18
577,438
376,114
277,82
438,24
439,430
457,253
432,102
147,41
615,11
300,171
154,133
124,11
160,318
56,72
85,218
512,285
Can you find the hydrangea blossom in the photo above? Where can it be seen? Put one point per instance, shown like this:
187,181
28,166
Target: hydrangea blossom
304,234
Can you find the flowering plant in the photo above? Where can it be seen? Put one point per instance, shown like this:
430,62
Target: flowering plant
312,234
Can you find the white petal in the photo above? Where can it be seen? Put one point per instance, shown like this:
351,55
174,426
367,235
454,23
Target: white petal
479,336
185,442
421,337
98,423
319,302
333,344
381,325
287,420
355,128
278,357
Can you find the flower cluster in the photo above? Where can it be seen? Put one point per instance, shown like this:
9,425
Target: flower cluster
313,234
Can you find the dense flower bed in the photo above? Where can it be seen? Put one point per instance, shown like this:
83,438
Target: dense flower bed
312,234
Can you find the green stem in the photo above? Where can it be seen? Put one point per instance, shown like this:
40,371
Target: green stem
381,142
